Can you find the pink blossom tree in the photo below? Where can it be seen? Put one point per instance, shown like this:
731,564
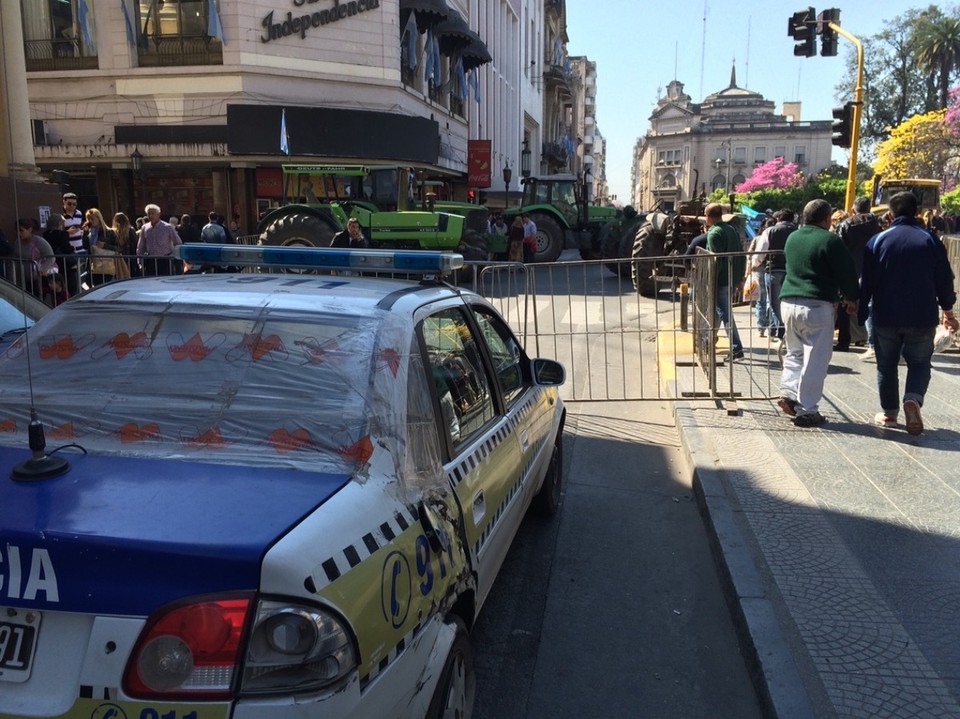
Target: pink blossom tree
774,174
952,118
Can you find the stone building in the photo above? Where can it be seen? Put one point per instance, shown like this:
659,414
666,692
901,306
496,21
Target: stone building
691,149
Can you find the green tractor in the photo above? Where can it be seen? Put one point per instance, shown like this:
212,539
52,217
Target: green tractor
318,200
558,206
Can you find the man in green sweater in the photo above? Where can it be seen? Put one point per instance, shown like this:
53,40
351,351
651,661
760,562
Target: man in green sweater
721,237
820,273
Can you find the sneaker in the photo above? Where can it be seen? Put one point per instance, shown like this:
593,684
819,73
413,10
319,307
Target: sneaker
885,420
911,411
870,354
841,348
812,419
788,406
763,331
738,354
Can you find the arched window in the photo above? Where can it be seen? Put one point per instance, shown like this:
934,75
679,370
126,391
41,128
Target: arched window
718,183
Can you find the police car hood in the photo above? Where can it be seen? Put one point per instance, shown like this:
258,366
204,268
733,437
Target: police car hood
124,536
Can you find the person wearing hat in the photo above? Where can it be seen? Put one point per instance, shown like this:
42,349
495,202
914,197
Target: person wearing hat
721,238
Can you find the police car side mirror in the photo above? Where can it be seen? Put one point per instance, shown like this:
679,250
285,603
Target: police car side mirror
548,372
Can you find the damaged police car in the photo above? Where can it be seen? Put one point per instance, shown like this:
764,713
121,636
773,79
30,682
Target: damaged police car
263,494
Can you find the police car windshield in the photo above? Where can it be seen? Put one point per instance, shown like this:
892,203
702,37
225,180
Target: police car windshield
251,385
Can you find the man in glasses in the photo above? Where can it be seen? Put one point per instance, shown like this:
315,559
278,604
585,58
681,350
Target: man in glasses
73,224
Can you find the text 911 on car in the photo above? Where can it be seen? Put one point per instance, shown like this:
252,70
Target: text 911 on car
272,495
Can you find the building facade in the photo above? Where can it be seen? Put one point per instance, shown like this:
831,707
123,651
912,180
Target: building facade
692,149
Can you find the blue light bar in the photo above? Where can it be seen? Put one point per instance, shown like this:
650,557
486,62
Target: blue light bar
321,258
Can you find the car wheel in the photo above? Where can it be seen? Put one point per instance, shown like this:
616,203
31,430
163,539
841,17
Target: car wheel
298,230
549,238
453,698
547,500
646,244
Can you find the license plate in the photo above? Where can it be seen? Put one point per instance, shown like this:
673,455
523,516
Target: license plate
18,641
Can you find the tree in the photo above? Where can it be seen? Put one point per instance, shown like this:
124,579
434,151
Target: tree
921,146
938,51
773,174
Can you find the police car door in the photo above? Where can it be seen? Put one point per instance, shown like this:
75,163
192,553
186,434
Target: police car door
483,459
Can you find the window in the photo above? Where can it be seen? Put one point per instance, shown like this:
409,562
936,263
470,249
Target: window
175,33
800,154
780,151
462,386
719,182
740,154
759,155
509,362
57,37
669,157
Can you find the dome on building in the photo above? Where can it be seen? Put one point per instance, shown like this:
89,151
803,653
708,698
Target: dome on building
736,104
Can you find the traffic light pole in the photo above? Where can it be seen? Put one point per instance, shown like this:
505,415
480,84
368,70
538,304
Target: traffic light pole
855,129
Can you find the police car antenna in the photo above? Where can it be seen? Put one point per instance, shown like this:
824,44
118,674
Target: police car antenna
40,465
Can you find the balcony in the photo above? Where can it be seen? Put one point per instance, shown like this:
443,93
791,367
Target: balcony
179,50
61,54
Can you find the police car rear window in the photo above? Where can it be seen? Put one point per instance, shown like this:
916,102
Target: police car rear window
272,386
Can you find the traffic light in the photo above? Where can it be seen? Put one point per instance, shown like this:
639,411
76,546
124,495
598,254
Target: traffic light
801,28
842,125
828,36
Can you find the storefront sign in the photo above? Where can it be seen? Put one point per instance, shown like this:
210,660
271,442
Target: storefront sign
299,24
269,182
478,163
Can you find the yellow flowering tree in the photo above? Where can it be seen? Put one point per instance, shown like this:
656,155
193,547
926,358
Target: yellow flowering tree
920,146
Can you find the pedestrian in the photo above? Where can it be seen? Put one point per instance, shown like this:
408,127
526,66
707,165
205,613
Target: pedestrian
529,238
127,237
35,257
351,237
104,245
906,276
723,238
515,241
213,232
820,274
756,273
856,231
777,266
156,244
73,224
188,231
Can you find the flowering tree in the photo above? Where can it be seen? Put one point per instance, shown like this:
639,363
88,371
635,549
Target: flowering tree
775,174
920,146
952,118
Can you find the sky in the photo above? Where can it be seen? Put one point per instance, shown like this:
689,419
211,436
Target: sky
639,50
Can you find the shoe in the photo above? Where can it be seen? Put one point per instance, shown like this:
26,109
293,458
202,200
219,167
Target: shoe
788,406
911,412
763,331
813,419
870,354
885,420
738,354
860,344
841,348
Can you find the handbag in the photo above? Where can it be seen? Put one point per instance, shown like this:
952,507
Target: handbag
751,289
104,261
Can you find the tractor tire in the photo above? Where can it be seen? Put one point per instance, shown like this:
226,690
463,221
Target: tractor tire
298,230
642,271
549,238
619,246
593,251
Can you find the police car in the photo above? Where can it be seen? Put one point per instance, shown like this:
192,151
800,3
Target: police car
263,494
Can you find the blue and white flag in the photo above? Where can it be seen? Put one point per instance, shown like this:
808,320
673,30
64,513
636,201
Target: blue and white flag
128,24
284,137
429,67
474,84
409,40
461,79
83,17
214,28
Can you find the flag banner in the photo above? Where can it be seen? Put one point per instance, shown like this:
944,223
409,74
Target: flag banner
428,67
214,28
409,40
83,17
284,137
475,84
461,79
128,24
478,163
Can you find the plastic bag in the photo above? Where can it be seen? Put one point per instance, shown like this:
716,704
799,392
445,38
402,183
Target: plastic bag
751,289
943,339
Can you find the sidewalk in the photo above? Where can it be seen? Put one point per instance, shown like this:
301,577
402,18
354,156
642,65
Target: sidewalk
839,546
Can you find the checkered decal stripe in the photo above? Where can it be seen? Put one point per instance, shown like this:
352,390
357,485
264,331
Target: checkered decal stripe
390,657
350,556
91,692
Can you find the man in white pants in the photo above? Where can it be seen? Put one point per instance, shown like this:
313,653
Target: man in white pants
820,273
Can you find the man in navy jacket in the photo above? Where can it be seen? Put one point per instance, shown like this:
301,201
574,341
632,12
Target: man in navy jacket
907,275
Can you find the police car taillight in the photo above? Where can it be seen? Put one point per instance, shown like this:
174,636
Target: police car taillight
296,648
189,650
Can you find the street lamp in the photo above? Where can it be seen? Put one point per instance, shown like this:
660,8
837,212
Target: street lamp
507,176
136,160
525,159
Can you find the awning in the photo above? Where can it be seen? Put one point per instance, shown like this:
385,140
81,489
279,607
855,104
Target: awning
454,34
475,54
429,12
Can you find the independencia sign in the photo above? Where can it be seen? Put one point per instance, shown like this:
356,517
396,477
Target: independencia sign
300,24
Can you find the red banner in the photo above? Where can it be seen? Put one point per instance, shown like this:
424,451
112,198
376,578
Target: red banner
478,163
